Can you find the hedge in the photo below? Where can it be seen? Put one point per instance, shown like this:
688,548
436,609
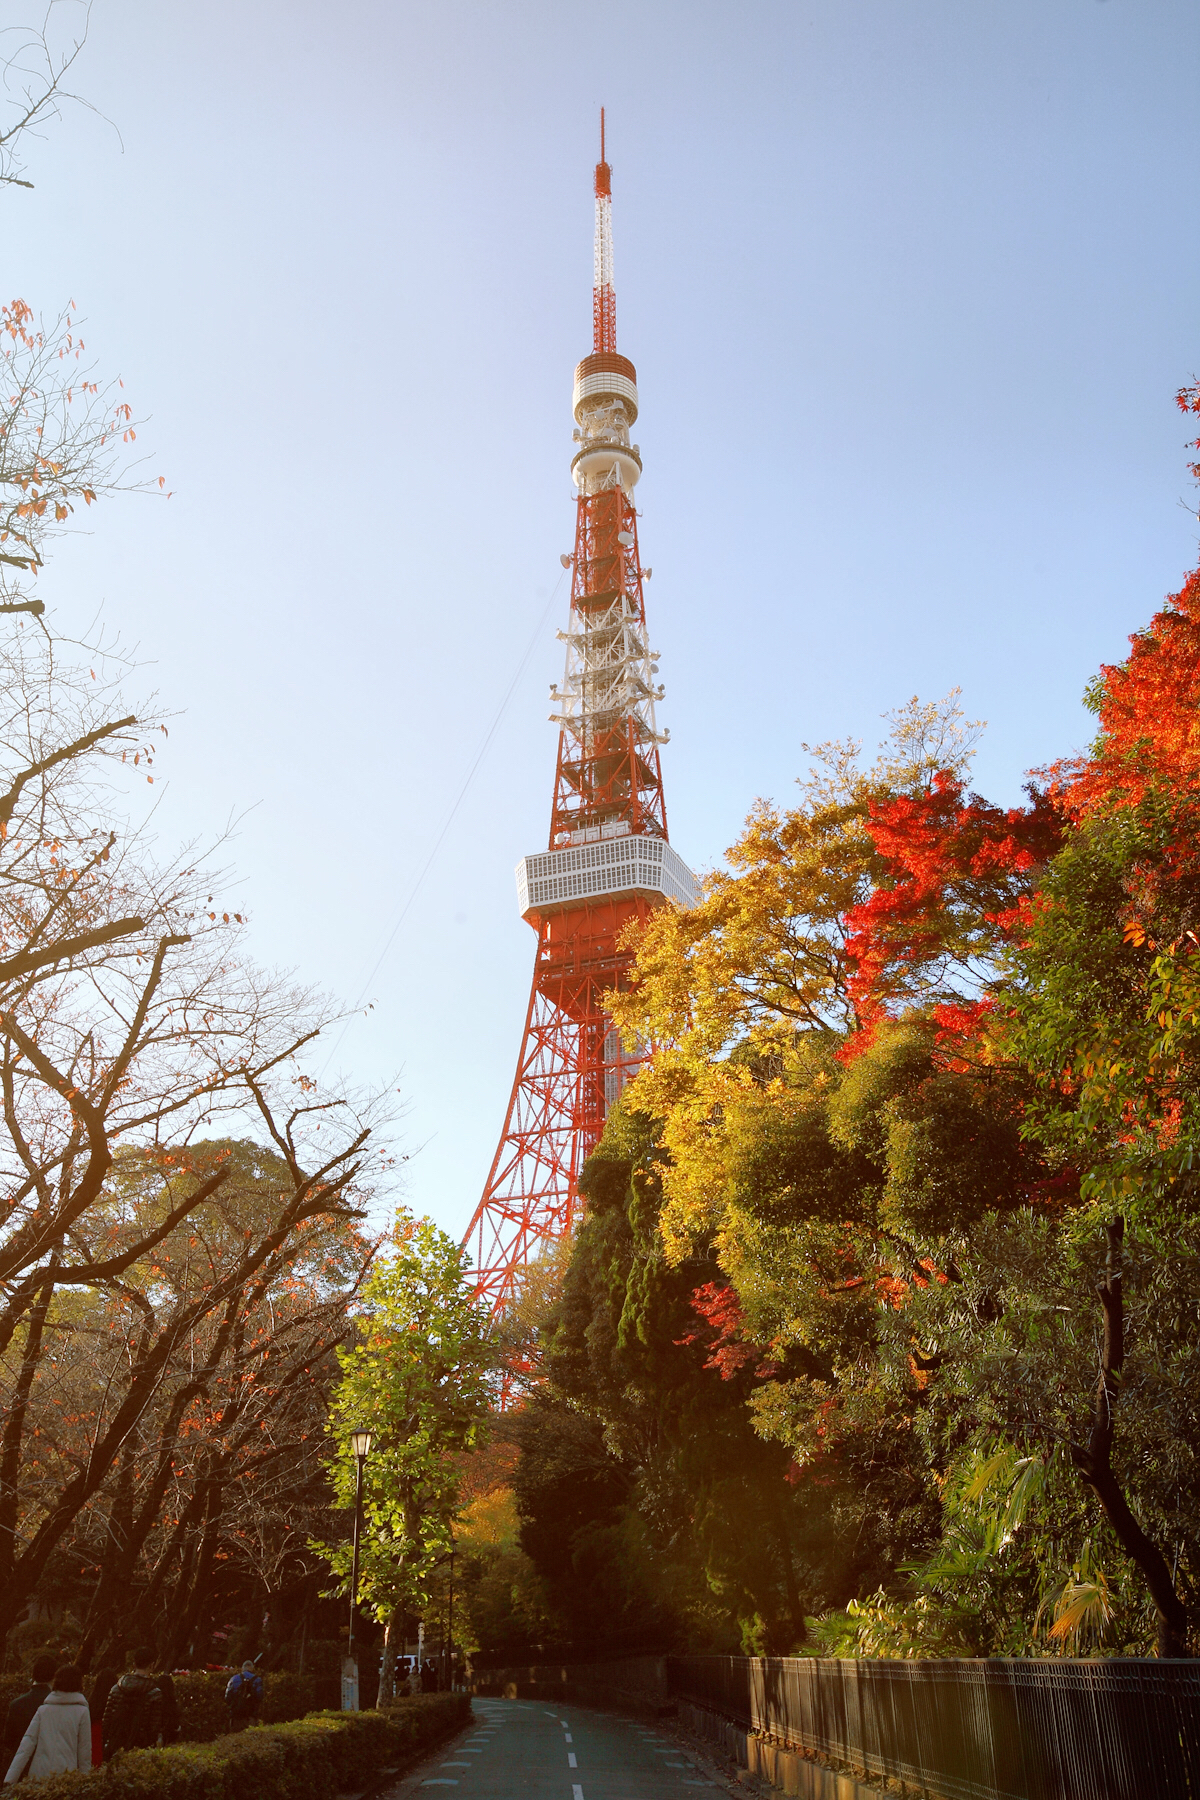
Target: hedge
201,1698
316,1758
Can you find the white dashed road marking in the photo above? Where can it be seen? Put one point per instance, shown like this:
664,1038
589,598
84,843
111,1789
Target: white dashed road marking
635,1760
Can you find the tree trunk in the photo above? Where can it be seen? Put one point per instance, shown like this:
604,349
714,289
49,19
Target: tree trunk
1095,1463
155,1612
14,1429
192,1621
392,1637
111,1597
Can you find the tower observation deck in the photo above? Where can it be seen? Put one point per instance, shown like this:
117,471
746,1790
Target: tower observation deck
608,860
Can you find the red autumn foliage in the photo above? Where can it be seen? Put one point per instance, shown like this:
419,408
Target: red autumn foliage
729,1349
1149,708
954,886
956,876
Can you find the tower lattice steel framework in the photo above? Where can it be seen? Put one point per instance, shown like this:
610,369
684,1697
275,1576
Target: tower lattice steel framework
608,860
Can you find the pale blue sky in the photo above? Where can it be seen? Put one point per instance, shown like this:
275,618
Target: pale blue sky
910,285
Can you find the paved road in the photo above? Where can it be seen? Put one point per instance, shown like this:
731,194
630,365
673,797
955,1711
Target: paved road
520,1750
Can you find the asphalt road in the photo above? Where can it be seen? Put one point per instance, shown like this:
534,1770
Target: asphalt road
520,1750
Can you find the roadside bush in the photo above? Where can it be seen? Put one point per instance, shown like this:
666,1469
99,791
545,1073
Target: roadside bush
201,1698
316,1758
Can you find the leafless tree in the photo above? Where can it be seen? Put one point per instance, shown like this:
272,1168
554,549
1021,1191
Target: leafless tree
35,65
128,1021
66,440
208,1508
156,1339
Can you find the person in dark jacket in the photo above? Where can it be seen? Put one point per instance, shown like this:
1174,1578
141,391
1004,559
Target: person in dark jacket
243,1697
22,1709
102,1687
133,1716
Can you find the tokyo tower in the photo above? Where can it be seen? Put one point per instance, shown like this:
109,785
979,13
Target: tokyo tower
608,860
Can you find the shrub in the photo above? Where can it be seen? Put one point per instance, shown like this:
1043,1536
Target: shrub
315,1758
201,1698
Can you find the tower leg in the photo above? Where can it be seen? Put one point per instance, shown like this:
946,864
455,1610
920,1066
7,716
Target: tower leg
529,1198
571,1070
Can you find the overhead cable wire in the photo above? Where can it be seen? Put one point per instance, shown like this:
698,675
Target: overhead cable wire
356,1010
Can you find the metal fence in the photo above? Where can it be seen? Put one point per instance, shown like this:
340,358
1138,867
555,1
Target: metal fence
989,1730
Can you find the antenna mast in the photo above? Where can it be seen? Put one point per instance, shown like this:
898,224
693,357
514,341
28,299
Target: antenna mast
604,296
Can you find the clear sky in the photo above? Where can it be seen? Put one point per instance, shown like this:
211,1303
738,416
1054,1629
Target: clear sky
910,286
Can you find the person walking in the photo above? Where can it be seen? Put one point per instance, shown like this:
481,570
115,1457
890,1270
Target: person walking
243,1697
22,1709
133,1716
59,1735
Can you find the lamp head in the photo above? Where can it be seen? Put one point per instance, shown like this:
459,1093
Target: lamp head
360,1444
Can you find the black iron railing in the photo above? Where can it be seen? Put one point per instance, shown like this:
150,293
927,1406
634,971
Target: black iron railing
991,1730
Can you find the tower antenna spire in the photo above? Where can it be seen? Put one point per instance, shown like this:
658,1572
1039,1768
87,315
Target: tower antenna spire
604,294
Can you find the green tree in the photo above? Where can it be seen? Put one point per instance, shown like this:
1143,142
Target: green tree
653,1511
1107,1018
419,1380
907,1254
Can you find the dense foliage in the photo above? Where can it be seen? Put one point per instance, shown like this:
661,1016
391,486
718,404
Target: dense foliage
879,1335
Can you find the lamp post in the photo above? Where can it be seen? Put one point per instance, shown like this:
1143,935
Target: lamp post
450,1626
360,1445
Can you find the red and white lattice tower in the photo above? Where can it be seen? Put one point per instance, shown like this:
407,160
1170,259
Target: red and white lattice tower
608,859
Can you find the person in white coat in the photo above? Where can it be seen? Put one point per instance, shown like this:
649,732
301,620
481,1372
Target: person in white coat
59,1736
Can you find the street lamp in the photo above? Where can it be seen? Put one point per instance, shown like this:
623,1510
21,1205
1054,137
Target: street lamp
450,1625
360,1445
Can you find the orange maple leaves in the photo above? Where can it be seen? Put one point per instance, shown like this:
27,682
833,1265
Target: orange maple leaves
953,885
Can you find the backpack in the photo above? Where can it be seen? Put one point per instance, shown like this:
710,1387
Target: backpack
134,1704
243,1693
